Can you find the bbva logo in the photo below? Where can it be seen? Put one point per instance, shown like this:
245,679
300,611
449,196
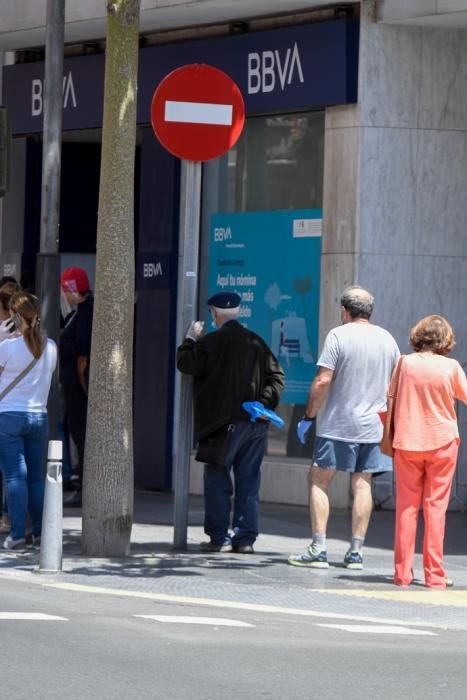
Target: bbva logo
268,67
222,234
37,101
152,270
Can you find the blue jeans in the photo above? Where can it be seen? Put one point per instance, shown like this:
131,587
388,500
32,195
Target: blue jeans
23,443
246,451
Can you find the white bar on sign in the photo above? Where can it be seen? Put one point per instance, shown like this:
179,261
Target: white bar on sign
198,113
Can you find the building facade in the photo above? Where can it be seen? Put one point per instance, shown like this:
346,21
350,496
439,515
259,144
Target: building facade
350,169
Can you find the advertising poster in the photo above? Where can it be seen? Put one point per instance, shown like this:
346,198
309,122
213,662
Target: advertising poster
272,259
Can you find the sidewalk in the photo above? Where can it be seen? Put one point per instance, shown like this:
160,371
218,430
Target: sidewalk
263,580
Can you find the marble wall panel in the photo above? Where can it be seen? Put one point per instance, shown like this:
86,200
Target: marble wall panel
393,10
449,5
410,230
389,72
440,287
440,189
341,155
443,94
337,272
390,279
387,192
342,116
441,282
406,289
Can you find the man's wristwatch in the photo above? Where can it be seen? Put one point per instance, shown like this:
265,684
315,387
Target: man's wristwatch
305,417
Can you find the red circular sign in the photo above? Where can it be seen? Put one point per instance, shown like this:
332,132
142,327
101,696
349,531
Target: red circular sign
197,112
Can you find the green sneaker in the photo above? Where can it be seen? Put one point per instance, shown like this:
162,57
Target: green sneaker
353,560
310,559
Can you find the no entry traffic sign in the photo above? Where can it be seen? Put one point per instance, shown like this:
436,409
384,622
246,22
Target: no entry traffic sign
197,112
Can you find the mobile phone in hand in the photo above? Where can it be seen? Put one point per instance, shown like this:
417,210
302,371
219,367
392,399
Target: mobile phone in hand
14,323
10,325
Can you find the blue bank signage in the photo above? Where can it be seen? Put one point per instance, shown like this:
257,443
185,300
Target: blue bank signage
296,68
272,260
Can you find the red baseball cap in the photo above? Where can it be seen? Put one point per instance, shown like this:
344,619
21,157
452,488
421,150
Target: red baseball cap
75,279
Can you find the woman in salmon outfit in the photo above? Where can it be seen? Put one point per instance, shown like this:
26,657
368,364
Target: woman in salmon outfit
426,443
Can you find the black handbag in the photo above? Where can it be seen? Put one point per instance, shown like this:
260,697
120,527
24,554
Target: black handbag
213,448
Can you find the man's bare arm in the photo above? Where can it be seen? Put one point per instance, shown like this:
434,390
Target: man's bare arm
318,391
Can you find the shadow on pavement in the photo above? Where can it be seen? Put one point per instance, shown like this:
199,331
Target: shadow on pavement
293,521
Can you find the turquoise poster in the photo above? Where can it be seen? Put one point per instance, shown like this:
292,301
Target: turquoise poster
272,259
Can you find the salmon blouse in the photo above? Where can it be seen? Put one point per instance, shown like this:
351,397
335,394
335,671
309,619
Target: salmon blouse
424,413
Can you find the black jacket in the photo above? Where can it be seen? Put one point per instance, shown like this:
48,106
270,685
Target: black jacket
75,340
229,366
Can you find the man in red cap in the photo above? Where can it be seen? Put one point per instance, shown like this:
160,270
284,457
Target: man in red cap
75,350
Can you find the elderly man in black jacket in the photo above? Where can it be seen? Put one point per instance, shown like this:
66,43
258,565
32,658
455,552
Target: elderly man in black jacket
230,366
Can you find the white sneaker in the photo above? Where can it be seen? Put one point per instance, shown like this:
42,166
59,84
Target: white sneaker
311,559
10,543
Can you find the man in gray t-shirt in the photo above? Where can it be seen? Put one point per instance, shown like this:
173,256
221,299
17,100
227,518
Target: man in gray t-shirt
354,370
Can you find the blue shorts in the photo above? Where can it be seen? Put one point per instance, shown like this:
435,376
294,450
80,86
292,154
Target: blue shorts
365,458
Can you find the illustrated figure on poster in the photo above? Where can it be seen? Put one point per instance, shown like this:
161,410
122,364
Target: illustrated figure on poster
283,349
289,339
289,335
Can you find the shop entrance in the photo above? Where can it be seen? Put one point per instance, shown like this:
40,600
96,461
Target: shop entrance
155,234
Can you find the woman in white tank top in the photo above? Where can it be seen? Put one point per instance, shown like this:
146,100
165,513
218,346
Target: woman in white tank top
23,417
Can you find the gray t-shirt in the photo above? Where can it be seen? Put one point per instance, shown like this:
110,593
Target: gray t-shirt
362,357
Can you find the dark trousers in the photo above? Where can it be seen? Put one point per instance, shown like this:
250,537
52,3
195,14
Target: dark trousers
76,406
2,499
246,451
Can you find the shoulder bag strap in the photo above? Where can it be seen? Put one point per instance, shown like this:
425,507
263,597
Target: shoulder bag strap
17,379
392,391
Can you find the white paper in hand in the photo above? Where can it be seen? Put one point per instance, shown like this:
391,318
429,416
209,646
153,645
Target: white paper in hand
195,330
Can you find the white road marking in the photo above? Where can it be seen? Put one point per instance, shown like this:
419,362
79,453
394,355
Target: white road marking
216,603
198,113
30,616
187,620
372,629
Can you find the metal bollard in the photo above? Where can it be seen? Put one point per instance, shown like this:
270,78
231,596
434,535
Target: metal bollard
50,558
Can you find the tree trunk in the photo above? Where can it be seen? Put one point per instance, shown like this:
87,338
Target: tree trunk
108,468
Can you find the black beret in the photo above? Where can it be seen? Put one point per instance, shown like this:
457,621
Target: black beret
225,300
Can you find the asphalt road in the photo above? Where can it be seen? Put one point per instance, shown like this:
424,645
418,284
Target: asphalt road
104,647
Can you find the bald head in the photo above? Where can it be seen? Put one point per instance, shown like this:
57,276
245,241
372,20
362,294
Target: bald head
358,302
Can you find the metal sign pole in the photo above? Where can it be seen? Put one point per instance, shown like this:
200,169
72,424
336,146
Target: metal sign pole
190,205
48,261
197,113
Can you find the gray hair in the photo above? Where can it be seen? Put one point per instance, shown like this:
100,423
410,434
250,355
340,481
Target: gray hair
228,313
358,301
